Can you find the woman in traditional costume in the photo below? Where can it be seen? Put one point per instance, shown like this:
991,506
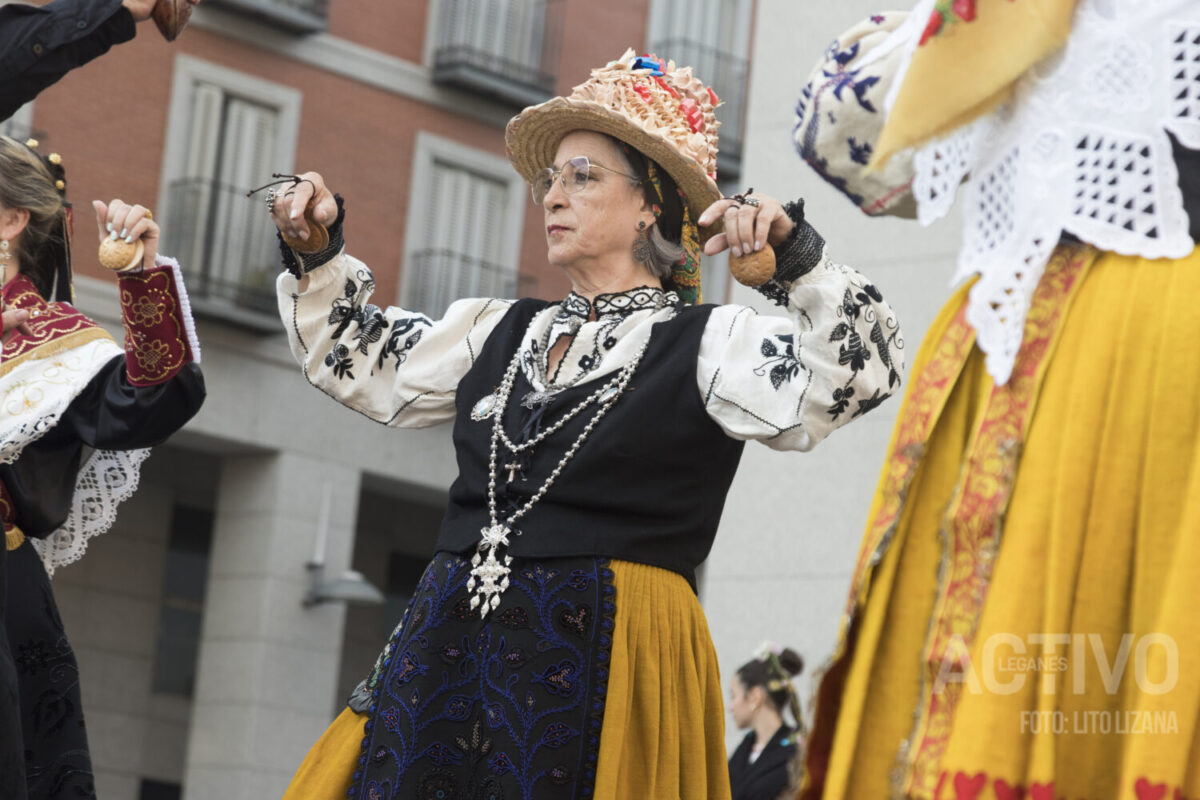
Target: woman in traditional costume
1023,616
79,412
761,768
555,646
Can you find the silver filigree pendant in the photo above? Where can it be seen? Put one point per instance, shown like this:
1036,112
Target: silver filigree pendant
536,398
485,407
489,574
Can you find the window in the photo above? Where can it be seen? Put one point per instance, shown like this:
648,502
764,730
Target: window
182,609
20,125
227,133
464,227
712,37
504,48
157,790
301,16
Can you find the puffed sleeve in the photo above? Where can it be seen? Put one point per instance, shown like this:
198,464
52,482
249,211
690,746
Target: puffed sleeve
397,367
789,381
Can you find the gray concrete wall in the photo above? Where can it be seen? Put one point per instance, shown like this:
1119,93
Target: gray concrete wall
782,563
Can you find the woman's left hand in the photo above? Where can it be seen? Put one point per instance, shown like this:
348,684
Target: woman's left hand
119,220
747,227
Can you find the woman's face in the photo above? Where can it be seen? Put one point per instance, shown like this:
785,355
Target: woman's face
600,221
741,704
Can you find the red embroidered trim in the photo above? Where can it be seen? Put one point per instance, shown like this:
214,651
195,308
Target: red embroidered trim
973,787
927,395
156,345
50,323
971,537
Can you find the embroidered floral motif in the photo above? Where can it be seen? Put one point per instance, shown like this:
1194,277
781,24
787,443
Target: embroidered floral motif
150,354
338,359
948,13
854,353
533,693
146,312
397,345
781,364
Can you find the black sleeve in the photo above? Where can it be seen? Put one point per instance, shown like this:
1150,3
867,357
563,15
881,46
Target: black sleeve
1187,162
112,414
38,45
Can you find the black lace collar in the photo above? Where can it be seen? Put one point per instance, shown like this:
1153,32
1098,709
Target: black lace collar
622,304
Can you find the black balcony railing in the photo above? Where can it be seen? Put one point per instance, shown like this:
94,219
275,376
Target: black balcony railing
726,74
301,16
442,276
507,50
225,244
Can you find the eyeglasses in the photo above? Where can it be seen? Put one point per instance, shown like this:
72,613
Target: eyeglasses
574,176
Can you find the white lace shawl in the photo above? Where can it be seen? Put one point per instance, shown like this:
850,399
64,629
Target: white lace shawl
33,397
1083,148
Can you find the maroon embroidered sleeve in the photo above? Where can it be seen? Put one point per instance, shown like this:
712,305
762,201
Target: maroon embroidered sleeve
160,337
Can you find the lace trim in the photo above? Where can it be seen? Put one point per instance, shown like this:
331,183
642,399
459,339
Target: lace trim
1082,148
109,478
622,303
185,304
35,394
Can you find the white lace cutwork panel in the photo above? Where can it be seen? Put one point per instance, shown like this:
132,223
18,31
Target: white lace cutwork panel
1082,148
109,478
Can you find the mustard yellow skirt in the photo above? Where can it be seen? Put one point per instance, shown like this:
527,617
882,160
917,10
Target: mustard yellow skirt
1025,617
663,733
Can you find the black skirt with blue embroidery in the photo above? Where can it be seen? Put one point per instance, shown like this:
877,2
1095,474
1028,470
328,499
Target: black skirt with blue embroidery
503,707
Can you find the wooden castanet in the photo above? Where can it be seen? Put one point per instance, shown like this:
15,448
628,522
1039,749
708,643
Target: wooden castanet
754,268
318,235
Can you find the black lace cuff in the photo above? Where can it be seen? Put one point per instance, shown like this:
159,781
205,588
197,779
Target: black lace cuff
795,257
299,264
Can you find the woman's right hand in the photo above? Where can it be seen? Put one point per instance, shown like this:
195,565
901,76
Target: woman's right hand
292,199
15,319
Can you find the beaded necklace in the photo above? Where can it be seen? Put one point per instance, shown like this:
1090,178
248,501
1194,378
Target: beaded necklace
490,566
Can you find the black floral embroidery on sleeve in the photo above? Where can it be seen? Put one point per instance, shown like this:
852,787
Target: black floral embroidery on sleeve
401,328
370,329
781,364
854,352
339,360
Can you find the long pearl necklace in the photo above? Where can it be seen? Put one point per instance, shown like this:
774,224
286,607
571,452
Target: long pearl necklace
490,567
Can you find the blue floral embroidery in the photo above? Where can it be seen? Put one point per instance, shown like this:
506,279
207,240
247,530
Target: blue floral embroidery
859,153
510,707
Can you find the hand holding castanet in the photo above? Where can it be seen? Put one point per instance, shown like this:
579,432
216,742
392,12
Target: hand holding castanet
753,225
754,268
318,234
128,235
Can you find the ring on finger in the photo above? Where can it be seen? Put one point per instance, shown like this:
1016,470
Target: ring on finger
747,198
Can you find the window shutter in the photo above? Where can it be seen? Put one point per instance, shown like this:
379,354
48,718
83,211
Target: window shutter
191,212
243,250
463,234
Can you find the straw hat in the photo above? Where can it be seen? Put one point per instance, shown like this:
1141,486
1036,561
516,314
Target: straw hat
665,112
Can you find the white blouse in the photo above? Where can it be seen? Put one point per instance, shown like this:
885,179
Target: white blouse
787,381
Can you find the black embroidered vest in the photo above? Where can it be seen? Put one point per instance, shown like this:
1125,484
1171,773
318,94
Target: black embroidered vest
649,483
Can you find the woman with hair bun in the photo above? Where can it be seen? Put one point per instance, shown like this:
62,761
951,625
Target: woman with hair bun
761,689
79,412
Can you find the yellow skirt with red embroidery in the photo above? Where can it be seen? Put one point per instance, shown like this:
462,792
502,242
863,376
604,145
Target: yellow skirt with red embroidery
1025,615
663,731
